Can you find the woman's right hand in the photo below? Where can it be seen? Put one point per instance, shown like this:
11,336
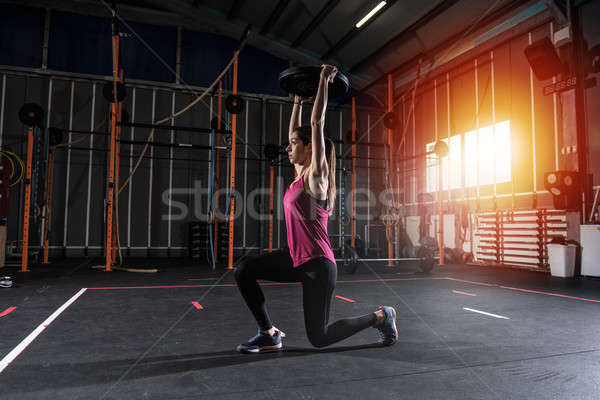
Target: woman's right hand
328,72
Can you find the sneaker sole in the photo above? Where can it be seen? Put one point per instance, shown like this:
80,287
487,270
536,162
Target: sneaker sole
266,348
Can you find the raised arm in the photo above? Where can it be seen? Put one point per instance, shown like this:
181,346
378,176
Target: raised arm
317,122
296,118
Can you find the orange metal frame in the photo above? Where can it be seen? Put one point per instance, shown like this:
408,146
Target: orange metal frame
232,172
25,252
111,163
116,177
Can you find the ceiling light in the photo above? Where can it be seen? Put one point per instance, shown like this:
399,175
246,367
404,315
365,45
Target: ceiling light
371,13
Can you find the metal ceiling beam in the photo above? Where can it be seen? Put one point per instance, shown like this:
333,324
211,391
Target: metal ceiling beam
234,9
355,32
274,17
325,11
493,16
430,15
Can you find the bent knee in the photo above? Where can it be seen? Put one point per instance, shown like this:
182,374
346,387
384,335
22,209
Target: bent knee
317,340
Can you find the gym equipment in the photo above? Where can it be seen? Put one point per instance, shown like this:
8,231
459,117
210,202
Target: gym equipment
108,92
565,187
424,256
441,149
390,120
304,81
31,114
234,104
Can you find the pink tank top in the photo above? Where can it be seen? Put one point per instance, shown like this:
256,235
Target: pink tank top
306,223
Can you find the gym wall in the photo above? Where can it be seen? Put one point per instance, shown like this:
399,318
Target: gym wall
490,83
70,91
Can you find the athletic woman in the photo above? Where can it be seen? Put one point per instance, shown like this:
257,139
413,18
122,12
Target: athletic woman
307,203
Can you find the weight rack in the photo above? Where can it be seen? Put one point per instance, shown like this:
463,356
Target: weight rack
518,237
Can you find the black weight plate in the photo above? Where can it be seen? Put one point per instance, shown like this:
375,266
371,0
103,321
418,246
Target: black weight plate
304,81
427,261
214,123
107,92
389,120
234,104
31,114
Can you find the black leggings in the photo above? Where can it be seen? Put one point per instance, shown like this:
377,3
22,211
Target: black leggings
318,278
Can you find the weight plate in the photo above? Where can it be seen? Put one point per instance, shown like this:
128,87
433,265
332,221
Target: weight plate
304,81
427,261
31,114
390,120
234,104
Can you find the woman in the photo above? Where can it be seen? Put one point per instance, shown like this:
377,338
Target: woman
307,202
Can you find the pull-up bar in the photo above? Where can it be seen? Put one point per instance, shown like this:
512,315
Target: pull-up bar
174,128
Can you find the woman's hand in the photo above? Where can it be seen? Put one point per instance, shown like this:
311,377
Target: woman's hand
300,99
328,72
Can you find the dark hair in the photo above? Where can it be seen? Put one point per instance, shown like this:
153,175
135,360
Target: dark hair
305,134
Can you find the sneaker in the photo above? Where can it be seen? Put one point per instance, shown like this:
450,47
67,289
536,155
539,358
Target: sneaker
5,281
280,331
388,332
261,342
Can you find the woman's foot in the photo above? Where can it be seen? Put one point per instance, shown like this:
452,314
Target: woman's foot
261,342
388,332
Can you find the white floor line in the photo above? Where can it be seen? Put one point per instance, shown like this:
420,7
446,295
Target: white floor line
485,313
10,357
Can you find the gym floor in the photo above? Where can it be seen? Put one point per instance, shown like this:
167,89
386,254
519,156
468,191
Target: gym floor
466,332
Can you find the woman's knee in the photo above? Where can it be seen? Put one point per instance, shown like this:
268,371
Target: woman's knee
317,339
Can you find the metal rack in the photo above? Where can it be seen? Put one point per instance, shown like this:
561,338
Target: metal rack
518,237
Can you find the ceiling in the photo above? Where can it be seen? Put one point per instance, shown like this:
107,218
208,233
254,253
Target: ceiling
317,31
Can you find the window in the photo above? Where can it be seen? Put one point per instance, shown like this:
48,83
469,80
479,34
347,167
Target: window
486,158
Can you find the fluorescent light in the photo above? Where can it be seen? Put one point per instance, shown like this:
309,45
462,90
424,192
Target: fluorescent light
371,13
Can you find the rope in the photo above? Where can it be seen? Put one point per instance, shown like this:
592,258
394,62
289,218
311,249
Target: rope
176,114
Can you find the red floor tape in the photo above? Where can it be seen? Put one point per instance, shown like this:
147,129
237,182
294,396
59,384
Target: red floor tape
345,299
8,311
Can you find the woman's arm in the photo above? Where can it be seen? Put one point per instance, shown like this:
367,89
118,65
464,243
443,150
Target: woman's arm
296,118
317,122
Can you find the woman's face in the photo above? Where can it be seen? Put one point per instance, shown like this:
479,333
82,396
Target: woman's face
297,151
